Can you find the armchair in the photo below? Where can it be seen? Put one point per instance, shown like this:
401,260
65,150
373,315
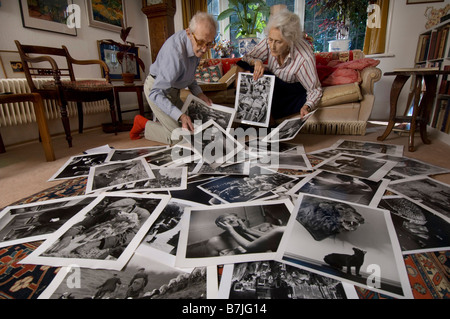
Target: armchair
62,85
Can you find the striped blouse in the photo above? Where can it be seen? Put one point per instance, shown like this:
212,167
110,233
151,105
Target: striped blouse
299,66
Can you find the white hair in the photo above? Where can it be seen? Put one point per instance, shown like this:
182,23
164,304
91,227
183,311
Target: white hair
289,25
202,17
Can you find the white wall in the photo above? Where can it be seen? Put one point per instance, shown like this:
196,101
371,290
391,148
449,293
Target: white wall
406,24
83,46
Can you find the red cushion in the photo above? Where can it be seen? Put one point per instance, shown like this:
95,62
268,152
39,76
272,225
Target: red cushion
228,63
324,71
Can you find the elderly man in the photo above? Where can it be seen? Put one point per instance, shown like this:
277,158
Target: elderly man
173,70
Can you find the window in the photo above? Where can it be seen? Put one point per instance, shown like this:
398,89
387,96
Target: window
321,37
311,24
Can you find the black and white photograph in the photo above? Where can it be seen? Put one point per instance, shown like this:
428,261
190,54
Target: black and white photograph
346,241
200,112
425,191
161,241
341,187
409,167
418,230
395,150
327,153
232,233
116,155
288,129
233,189
286,160
110,175
242,168
254,99
104,234
142,278
194,193
79,166
213,143
166,157
269,279
359,166
165,179
35,221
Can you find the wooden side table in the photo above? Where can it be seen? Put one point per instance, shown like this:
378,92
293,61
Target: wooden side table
40,119
423,102
138,89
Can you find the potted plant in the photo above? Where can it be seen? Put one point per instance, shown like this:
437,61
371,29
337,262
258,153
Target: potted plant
250,20
125,56
344,13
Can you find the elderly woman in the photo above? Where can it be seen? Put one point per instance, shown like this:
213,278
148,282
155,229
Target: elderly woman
291,59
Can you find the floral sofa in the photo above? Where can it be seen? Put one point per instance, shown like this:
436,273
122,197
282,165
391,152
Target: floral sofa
347,78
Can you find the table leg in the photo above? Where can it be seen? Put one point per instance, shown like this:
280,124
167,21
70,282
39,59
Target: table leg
119,112
397,86
430,94
140,101
416,111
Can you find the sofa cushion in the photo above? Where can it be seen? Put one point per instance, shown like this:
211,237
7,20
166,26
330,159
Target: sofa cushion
209,74
340,94
342,76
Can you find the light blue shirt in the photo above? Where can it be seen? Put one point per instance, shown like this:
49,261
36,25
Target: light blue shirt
174,67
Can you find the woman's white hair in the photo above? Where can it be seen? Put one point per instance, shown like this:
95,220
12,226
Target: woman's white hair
202,17
289,25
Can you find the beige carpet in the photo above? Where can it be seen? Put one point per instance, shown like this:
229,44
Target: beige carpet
24,171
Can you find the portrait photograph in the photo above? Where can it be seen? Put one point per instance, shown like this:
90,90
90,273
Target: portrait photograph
230,233
343,241
254,99
104,234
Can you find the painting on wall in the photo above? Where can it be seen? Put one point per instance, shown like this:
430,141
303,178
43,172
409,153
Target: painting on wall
107,14
47,15
10,65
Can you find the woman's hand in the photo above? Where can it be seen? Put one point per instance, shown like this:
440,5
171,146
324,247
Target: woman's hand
304,111
258,70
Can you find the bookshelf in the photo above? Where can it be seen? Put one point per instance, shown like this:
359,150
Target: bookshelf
433,51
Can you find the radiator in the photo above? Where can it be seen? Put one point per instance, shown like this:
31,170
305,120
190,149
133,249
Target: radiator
23,113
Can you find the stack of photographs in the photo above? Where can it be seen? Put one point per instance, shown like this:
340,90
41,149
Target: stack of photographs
158,222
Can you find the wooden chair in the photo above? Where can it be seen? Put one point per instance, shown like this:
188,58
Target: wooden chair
40,119
40,62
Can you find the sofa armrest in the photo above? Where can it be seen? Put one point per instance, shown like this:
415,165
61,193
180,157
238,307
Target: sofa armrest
369,76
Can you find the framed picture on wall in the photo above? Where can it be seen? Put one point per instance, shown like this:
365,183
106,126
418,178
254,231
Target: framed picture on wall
108,54
11,65
47,15
107,14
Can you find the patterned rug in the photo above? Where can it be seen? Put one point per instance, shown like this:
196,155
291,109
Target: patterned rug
428,272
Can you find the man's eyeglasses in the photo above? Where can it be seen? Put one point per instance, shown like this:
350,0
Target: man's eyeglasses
202,43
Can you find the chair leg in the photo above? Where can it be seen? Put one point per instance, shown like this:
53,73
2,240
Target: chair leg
80,117
2,146
66,124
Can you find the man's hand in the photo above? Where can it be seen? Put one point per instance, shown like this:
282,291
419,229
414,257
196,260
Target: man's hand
204,98
186,122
